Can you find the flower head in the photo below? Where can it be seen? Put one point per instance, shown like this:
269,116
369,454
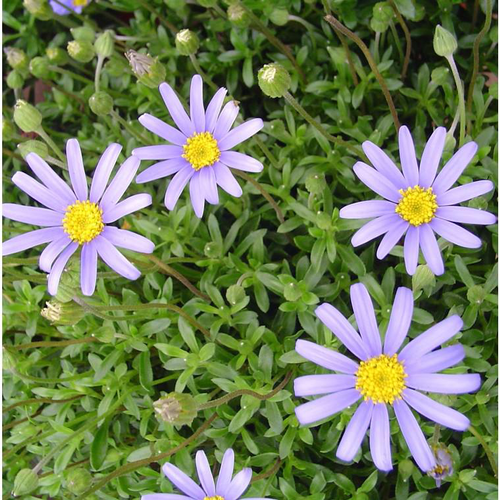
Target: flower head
199,152
444,465
418,202
385,376
68,6
75,219
224,489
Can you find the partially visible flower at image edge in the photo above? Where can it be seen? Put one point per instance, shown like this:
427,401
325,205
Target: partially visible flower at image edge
74,218
444,465
198,152
68,6
418,202
386,376
226,488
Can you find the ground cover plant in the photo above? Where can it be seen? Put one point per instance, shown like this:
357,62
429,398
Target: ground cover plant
250,249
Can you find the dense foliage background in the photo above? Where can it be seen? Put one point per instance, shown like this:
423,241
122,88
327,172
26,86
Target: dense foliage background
222,301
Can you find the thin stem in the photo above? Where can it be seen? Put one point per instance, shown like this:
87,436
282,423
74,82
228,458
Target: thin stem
395,36
486,448
40,380
98,68
76,76
267,152
129,128
355,38
269,472
377,43
48,343
345,45
407,37
51,144
40,401
475,51
461,100
206,78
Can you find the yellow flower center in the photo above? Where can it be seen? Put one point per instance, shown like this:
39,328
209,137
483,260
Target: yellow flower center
440,469
381,379
216,497
417,205
80,3
201,150
83,221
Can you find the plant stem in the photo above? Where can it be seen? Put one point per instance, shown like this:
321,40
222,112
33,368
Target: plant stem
129,128
206,78
98,68
267,152
76,76
395,36
52,145
377,43
40,401
55,343
461,100
407,37
355,38
486,448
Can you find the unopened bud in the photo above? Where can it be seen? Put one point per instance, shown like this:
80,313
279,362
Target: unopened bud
382,16
101,103
324,221
292,292
105,44
235,294
16,58
26,116
83,34
279,16
274,80
25,482
405,469
38,147
56,55
176,408
238,16
187,42
315,183
422,278
81,51
148,71
212,250
445,43
15,80
58,313
78,480
444,465
39,8
476,294
39,67
440,75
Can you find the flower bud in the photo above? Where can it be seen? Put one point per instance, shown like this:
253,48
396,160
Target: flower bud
476,294
39,67
25,482
187,42
78,480
212,250
16,58
235,294
57,56
382,15
149,71
315,183
176,409
81,51
26,116
8,129
444,42
292,292
238,16
101,103
15,80
422,278
39,8
105,44
405,469
274,80
324,221
38,147
83,34
444,465
440,75
58,313
279,17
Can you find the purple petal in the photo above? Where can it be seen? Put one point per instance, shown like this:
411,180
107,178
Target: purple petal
207,180
380,438
52,251
455,234
196,192
197,109
53,182
213,110
205,474
240,161
374,229
161,152
343,330
430,249
120,183
411,246
377,182
454,168
324,407
399,323
414,436
176,186
88,271
32,215
58,267
226,120
435,411
127,239
76,169
444,383
384,164
39,192
364,313
431,338
103,171
355,432
127,206
162,129
161,169
367,209
436,361
31,239
464,193
314,385
183,482
391,238
408,156
114,259
326,357
226,473
431,157
176,110
466,215
239,484
240,133
225,179
165,496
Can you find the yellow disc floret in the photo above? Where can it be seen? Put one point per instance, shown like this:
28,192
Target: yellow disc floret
417,205
381,379
201,150
216,497
80,3
83,221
